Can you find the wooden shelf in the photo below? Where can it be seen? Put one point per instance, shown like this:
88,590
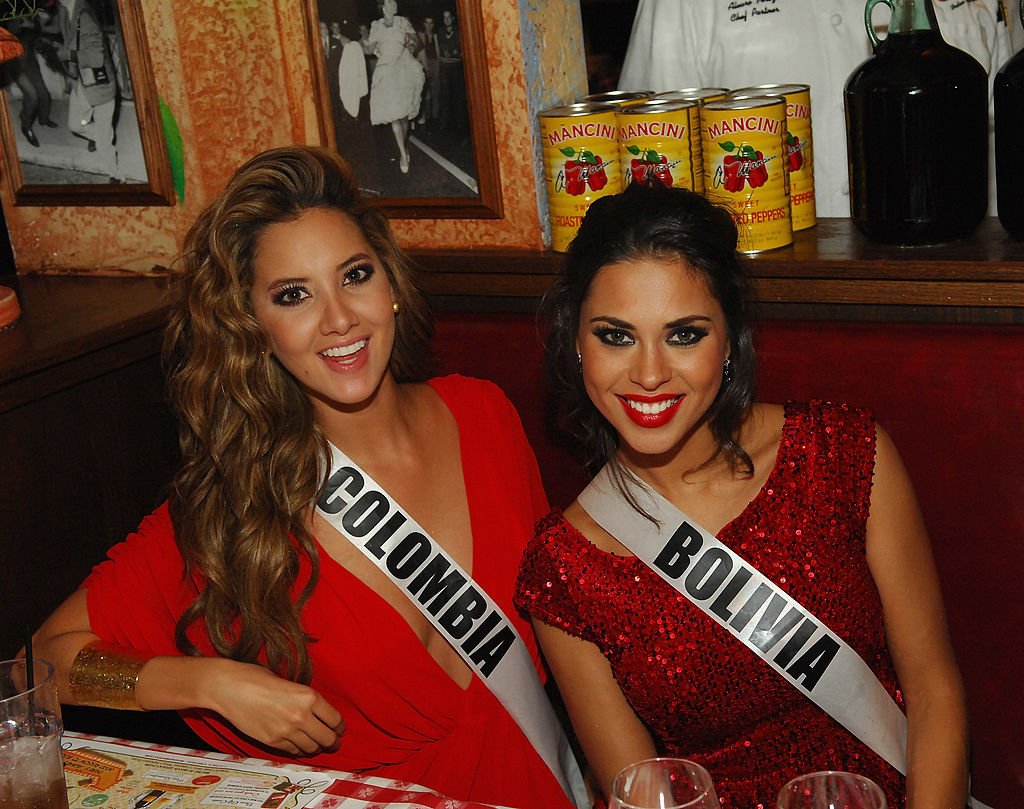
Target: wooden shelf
77,327
828,264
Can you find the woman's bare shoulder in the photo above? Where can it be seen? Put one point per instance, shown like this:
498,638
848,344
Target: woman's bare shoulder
762,429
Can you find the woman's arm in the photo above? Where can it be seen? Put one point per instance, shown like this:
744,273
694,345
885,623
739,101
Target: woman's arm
273,711
900,559
611,734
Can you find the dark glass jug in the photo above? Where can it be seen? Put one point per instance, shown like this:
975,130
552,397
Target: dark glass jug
917,132
1008,96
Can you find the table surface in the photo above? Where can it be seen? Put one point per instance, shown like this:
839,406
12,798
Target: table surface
121,773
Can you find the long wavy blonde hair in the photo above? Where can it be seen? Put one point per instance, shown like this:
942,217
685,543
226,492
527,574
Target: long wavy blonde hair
254,458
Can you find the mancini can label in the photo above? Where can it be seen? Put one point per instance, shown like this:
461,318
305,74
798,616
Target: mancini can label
581,164
656,140
744,168
799,147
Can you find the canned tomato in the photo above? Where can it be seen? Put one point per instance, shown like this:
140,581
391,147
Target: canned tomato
744,151
656,140
799,147
620,98
581,151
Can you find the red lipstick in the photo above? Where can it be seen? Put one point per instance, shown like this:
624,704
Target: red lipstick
662,414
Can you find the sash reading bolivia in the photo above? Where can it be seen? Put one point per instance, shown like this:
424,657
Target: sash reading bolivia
816,661
475,626
765,618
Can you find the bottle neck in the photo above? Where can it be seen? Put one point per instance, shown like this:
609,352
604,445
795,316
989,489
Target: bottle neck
913,15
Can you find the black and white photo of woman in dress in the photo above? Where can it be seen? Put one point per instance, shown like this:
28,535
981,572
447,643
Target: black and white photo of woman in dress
398,78
411,136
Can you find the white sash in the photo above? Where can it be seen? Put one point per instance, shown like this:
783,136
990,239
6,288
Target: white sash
475,626
766,619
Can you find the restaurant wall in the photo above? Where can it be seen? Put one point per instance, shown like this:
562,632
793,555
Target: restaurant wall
236,77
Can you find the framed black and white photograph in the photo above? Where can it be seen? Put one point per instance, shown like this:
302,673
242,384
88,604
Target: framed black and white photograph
81,123
403,95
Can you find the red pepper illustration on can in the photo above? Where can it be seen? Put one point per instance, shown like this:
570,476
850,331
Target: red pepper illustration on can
794,152
649,163
746,166
587,169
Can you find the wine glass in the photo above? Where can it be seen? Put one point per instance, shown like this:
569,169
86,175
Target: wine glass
663,783
831,790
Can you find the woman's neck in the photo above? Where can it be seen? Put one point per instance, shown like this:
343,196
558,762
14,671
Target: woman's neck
670,469
380,426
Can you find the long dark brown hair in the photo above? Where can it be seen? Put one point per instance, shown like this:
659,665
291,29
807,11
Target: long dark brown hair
254,458
652,222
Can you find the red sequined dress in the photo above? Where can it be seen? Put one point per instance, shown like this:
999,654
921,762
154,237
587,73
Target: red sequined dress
702,694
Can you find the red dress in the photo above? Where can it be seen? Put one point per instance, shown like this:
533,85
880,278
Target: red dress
406,718
703,694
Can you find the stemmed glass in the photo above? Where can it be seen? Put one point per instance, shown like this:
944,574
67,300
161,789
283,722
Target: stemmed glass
663,783
831,790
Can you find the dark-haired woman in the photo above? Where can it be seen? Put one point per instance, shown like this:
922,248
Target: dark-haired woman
651,348
319,456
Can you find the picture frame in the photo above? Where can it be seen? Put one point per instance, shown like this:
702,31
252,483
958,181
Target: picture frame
452,169
63,167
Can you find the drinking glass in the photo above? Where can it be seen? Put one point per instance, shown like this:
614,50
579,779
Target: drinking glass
831,790
663,783
31,771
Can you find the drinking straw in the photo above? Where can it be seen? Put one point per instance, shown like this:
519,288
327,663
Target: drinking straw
29,668
30,678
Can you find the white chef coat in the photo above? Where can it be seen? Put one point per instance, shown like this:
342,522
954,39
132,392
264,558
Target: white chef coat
737,43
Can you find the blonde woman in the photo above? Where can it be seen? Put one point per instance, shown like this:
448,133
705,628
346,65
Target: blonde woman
299,340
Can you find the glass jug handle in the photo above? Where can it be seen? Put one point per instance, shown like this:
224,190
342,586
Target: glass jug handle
867,19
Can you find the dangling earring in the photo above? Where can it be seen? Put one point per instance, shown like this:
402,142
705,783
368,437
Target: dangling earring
395,307
727,370
579,362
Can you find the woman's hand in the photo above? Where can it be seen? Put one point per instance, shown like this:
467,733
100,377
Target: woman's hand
276,712
280,713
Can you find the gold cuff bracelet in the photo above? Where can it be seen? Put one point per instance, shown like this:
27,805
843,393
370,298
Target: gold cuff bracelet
104,675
